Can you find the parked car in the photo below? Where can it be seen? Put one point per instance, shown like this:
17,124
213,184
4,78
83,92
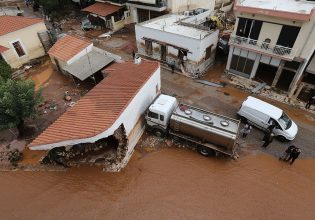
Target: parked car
86,25
262,114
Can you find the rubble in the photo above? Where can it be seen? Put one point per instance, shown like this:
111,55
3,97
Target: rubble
266,91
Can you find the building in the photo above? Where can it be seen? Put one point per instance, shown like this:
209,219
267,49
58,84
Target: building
76,56
183,39
273,41
108,14
143,10
19,39
103,111
114,14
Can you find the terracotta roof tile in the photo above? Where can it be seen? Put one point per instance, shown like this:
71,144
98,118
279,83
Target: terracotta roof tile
68,46
2,49
102,9
101,107
10,24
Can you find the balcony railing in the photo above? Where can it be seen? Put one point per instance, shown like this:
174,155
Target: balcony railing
263,46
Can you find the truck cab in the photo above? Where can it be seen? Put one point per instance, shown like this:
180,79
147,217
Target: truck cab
158,115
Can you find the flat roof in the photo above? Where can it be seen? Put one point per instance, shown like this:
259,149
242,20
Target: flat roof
264,107
98,110
290,9
89,64
168,23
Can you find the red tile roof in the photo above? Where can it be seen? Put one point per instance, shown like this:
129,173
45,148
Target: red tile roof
100,108
2,49
10,24
102,9
68,46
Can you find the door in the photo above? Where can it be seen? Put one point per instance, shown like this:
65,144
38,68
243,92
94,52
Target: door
288,36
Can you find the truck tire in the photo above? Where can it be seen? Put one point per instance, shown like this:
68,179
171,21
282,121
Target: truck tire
282,138
242,118
204,151
158,132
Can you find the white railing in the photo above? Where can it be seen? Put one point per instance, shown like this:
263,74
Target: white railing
263,46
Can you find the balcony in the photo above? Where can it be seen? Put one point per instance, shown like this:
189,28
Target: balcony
264,47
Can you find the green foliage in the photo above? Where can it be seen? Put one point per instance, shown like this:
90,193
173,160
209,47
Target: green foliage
53,5
5,71
18,101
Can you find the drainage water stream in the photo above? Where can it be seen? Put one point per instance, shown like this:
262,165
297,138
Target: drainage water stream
165,184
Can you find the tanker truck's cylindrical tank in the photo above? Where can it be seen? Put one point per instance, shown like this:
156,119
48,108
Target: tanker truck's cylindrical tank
206,126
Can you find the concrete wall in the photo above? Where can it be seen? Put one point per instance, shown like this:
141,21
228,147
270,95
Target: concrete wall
184,5
120,24
305,42
30,42
128,118
197,48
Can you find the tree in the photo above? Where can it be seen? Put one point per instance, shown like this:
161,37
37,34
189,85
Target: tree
18,101
5,71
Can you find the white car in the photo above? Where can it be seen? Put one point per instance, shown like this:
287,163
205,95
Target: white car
262,114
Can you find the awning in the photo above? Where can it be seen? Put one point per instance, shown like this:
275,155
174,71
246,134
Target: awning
102,9
2,49
89,64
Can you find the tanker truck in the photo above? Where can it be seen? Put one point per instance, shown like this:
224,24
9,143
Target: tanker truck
212,133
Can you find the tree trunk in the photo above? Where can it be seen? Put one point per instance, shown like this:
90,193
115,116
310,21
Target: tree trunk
21,127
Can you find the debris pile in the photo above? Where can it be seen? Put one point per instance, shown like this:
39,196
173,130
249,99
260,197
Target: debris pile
12,157
263,90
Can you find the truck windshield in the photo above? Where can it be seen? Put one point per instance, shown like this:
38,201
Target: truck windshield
285,121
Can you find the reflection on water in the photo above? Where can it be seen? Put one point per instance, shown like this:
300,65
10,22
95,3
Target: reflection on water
165,184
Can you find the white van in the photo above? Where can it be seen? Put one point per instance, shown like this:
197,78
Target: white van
262,114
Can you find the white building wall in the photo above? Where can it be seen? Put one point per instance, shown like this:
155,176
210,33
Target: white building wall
184,5
30,42
195,46
128,118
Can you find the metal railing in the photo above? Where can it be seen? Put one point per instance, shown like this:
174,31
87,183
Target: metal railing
263,46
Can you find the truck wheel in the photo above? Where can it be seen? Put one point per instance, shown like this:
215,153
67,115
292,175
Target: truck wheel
282,138
158,132
204,151
242,118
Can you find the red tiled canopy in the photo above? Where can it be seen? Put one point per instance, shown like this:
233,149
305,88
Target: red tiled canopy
101,107
102,9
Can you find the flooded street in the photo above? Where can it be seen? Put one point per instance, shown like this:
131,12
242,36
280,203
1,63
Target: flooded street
168,183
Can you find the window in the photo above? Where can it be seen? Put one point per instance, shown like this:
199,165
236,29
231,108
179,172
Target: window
153,115
161,117
148,47
18,48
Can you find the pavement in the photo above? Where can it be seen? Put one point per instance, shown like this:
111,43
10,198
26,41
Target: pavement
227,101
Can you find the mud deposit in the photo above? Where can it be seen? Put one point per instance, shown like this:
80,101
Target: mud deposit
165,184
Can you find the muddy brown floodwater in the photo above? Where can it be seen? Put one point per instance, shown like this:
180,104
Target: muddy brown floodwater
168,183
